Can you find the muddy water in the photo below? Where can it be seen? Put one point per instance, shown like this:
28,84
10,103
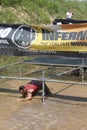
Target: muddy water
66,109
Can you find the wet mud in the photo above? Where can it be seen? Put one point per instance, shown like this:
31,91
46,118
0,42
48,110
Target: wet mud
65,109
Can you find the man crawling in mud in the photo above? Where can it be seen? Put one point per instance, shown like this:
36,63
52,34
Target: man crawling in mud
31,89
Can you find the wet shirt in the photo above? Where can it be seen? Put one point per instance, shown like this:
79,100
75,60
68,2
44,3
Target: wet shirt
33,86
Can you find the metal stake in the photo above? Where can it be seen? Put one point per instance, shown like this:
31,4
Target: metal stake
82,70
20,68
43,87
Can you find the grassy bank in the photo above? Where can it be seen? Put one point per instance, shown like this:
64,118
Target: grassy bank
39,11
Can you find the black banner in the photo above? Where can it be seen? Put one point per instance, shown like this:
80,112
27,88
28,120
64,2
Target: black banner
16,36
23,40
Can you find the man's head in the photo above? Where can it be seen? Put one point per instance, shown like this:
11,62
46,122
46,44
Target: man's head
21,89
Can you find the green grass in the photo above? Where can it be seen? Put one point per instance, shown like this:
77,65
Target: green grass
39,11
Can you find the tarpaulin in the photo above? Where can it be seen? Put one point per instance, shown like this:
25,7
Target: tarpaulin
68,21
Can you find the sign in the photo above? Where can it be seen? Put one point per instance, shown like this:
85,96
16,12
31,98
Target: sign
64,37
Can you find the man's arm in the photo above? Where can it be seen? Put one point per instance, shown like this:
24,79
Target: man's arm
25,99
28,97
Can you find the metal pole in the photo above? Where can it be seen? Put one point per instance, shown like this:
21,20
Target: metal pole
82,70
43,87
50,80
20,68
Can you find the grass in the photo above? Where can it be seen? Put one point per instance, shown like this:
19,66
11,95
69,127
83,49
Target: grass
40,11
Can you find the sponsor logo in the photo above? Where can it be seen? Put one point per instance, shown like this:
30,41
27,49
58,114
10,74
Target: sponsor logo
4,32
23,36
74,36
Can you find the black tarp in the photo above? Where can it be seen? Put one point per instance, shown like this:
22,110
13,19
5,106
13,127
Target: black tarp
68,21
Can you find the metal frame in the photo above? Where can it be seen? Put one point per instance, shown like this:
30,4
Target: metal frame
43,76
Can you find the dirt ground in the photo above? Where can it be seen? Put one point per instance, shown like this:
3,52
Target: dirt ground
65,109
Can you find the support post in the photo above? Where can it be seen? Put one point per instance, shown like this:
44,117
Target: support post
82,70
43,87
20,68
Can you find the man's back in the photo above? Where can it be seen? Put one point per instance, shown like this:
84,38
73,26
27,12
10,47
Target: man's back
37,83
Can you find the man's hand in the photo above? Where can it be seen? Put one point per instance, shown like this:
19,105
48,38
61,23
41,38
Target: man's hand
19,99
23,99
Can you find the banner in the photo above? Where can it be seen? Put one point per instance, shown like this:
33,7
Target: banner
50,38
